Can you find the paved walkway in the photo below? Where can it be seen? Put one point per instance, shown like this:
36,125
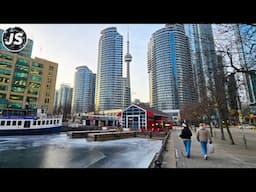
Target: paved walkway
225,155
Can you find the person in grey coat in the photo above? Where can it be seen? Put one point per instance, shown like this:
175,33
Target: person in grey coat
203,136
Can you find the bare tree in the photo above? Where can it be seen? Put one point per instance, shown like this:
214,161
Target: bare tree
199,111
239,50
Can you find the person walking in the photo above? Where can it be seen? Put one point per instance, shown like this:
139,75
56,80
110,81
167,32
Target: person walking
203,136
186,137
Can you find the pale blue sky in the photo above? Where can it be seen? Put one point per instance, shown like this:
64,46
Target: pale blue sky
72,45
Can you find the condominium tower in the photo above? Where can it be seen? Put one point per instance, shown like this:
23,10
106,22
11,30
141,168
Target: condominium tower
203,57
84,90
109,70
170,71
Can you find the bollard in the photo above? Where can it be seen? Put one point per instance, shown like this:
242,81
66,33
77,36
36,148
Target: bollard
150,134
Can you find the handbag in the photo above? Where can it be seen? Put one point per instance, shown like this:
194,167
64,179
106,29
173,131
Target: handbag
210,148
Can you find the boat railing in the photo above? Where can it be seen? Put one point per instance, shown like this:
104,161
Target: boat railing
47,116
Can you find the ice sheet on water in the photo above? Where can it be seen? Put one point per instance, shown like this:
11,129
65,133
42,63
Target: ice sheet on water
59,151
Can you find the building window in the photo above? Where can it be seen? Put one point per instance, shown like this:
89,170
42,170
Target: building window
4,87
18,89
4,80
5,64
35,78
4,56
34,85
35,64
37,72
16,97
8,123
33,91
32,99
51,68
5,72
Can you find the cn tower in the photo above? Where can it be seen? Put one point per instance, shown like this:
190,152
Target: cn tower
128,59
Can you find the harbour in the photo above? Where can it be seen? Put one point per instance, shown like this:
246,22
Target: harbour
60,151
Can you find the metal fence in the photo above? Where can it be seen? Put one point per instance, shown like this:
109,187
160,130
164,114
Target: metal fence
158,158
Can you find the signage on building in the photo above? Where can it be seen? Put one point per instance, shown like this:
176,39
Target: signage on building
14,39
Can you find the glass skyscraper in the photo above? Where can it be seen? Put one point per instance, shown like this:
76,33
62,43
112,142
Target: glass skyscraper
170,71
109,71
203,57
247,53
84,90
64,100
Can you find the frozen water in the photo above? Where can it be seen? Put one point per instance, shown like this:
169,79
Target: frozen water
59,151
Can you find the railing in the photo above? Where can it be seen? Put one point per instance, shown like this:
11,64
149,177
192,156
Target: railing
158,158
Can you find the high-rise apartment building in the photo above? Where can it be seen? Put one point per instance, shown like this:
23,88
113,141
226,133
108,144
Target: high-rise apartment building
170,70
245,40
109,92
64,100
24,79
84,90
203,57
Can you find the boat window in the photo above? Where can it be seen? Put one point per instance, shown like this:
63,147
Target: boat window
39,123
43,123
27,124
34,122
47,122
14,122
57,121
51,122
2,123
54,121
19,122
8,123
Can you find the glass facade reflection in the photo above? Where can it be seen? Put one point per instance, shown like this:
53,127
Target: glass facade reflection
203,57
84,90
64,100
109,71
169,68
245,38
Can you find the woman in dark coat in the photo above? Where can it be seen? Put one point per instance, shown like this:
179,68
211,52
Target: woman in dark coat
186,137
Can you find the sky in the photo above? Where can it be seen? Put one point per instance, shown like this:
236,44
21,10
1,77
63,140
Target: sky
73,45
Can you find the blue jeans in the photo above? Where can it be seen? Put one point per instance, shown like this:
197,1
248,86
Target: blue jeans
203,147
187,144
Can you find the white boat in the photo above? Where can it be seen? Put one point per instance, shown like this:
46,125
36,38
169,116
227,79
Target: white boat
28,122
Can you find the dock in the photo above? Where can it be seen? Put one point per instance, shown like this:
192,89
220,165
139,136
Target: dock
84,134
110,135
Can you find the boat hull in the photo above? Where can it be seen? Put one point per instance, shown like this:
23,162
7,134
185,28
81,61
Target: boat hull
30,131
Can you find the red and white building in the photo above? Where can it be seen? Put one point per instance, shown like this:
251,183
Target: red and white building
142,117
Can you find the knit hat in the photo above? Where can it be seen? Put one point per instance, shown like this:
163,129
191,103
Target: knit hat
184,125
